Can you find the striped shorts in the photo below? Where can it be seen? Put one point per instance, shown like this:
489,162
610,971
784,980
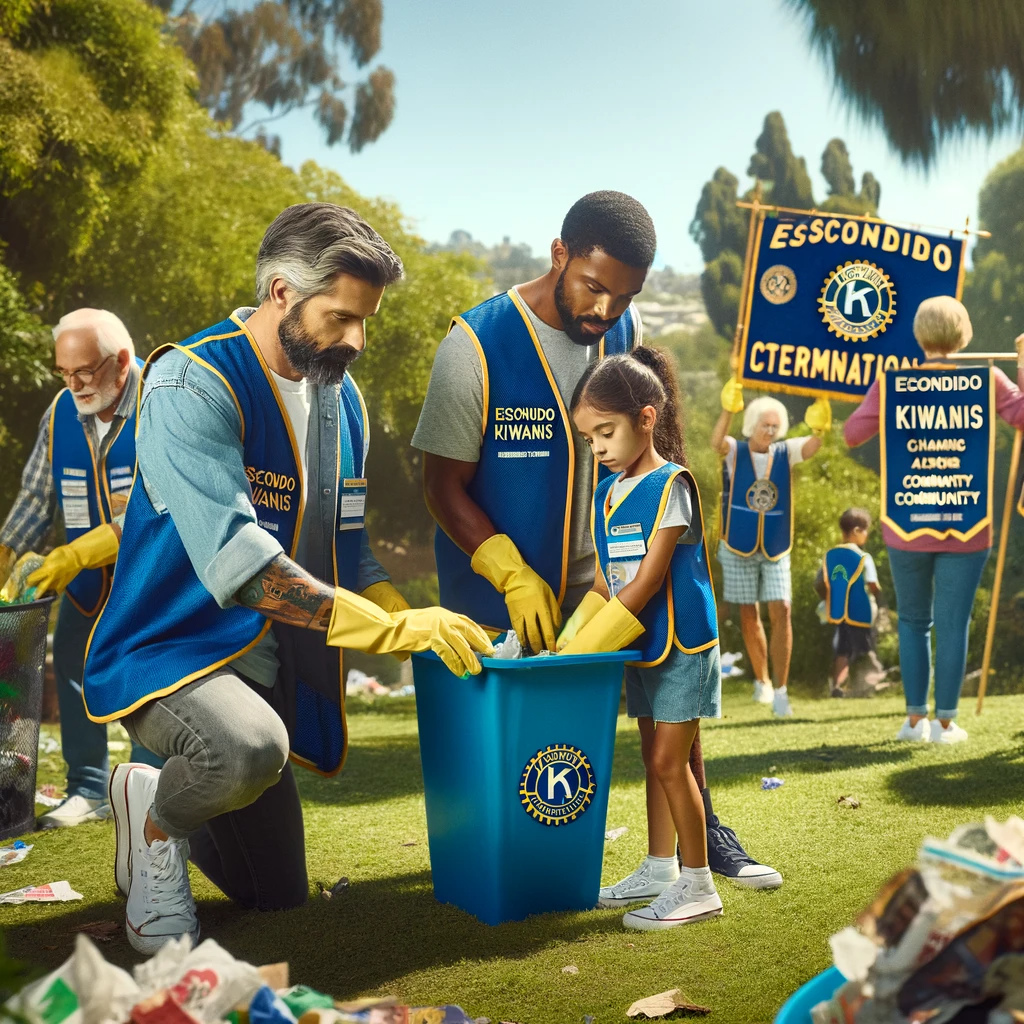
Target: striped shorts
748,579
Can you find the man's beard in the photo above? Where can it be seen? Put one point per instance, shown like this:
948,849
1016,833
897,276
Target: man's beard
571,324
318,365
99,400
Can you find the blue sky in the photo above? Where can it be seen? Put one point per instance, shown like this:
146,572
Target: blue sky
509,111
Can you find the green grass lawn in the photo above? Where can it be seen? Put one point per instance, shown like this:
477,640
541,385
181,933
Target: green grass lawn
386,933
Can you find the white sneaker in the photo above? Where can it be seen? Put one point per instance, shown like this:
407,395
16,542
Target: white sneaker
641,885
683,902
951,734
780,703
763,692
160,904
130,791
920,733
76,810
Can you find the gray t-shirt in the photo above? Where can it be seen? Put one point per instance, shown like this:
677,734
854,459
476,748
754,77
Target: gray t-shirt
449,423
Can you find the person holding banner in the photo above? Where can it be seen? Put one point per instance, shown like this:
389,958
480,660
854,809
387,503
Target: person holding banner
937,426
757,526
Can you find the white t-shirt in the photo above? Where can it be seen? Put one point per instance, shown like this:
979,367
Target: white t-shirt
297,402
794,444
102,429
678,512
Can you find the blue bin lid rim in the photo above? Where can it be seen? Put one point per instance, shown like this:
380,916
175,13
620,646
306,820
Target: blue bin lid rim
567,660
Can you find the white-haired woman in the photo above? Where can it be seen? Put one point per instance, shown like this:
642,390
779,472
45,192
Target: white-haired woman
936,580
757,527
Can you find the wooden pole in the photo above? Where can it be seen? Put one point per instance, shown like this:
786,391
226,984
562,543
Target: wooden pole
754,208
997,583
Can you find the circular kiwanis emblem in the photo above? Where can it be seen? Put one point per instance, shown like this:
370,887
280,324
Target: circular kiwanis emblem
858,301
778,284
762,496
557,785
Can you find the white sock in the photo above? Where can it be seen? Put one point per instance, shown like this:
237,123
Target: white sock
664,867
701,876
780,689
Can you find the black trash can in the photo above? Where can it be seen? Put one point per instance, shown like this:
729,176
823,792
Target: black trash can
22,657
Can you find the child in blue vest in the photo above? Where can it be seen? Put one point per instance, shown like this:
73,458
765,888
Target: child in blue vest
847,580
654,588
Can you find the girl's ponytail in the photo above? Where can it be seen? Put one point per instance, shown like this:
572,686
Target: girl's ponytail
628,383
669,441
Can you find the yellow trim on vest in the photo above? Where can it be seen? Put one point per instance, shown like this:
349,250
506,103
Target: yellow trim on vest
857,573
291,435
707,560
153,356
174,687
927,531
483,369
53,416
187,351
759,545
518,302
309,765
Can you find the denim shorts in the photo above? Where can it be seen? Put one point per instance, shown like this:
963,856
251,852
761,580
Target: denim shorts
683,687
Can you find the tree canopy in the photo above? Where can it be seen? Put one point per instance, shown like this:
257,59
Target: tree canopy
720,228
285,55
927,71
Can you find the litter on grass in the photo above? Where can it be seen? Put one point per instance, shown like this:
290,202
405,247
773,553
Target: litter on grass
570,969
55,892
664,1004
848,801
48,796
13,854
48,744
943,941
615,833
730,665
771,782
205,985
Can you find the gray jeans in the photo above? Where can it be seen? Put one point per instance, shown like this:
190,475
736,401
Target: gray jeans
227,786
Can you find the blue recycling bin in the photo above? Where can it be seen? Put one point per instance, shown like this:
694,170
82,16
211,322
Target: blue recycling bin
517,763
797,1008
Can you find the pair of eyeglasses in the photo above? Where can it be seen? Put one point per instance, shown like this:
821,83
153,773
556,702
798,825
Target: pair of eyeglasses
769,428
84,376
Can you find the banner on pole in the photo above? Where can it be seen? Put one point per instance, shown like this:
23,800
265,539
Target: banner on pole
938,440
831,300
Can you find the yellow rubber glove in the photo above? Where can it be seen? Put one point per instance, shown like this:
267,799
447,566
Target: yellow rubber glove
16,585
819,417
532,606
7,560
384,595
611,629
591,604
359,625
732,396
92,550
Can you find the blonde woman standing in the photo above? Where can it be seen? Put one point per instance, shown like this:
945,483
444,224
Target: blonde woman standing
936,580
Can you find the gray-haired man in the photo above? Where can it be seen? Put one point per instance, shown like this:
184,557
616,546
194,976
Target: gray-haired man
251,450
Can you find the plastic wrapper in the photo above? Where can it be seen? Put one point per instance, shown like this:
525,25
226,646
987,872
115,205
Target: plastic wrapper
54,892
13,854
509,648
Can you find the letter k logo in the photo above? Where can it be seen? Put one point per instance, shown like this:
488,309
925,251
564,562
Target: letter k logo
554,780
855,294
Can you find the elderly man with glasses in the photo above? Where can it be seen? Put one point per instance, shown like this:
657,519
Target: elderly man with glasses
757,527
80,471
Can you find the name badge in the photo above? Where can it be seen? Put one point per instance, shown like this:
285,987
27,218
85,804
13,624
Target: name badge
76,513
629,541
352,507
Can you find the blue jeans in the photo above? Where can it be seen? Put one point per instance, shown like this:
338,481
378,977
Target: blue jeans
940,587
84,743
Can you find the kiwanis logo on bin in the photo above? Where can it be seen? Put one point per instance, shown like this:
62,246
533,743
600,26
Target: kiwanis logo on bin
557,785
858,301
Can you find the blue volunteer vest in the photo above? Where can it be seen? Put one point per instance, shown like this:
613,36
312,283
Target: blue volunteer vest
847,595
683,611
86,485
161,628
758,518
524,478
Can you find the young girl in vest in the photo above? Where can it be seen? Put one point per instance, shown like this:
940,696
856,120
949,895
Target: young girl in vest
653,591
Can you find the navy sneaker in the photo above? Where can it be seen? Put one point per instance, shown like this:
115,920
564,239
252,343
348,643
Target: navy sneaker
727,857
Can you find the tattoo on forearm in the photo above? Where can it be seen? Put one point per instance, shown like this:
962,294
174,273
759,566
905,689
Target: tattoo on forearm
285,592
